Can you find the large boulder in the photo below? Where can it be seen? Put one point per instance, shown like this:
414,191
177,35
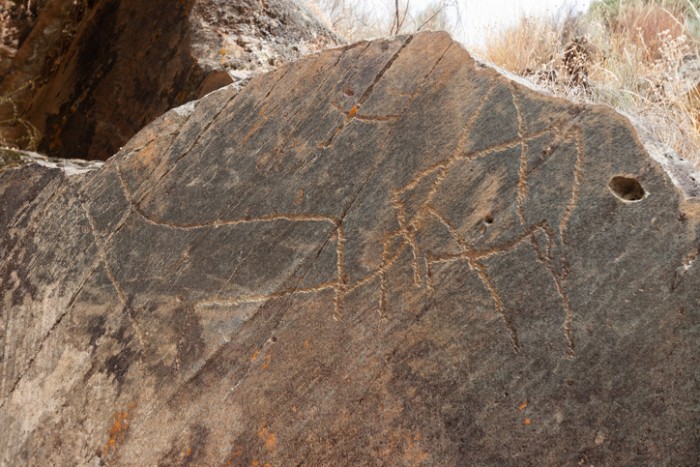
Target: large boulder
383,254
80,78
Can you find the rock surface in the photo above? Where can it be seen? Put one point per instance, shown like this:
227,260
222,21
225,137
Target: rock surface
80,78
382,254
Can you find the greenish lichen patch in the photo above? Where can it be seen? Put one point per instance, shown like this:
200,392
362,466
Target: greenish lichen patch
10,158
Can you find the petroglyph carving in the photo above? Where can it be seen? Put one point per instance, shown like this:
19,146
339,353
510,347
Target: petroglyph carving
451,273
394,243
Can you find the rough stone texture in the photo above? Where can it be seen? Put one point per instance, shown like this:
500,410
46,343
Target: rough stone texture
11,158
383,254
80,78
17,18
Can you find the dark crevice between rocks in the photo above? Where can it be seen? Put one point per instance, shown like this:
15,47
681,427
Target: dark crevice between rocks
105,105
116,66
98,98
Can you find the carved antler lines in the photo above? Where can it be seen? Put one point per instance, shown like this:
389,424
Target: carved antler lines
408,229
522,170
352,113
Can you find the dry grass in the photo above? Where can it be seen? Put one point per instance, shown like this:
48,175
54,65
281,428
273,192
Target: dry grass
365,19
530,47
636,57
648,26
345,19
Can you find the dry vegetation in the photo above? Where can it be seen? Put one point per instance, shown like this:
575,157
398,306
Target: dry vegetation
359,19
640,57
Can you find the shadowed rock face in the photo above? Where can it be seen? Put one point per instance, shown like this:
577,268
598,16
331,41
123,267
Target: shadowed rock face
80,78
383,254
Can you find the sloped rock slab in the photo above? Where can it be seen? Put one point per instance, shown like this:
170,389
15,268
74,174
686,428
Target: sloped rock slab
383,254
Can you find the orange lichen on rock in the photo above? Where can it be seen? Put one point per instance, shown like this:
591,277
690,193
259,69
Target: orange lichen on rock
234,455
527,422
268,437
117,432
523,405
412,453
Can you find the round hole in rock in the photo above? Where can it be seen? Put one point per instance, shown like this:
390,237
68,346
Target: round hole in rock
626,188
488,219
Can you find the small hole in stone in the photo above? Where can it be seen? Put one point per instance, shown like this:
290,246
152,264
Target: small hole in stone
488,219
273,338
626,188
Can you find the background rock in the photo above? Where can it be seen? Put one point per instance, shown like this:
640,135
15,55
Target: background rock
79,78
383,254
